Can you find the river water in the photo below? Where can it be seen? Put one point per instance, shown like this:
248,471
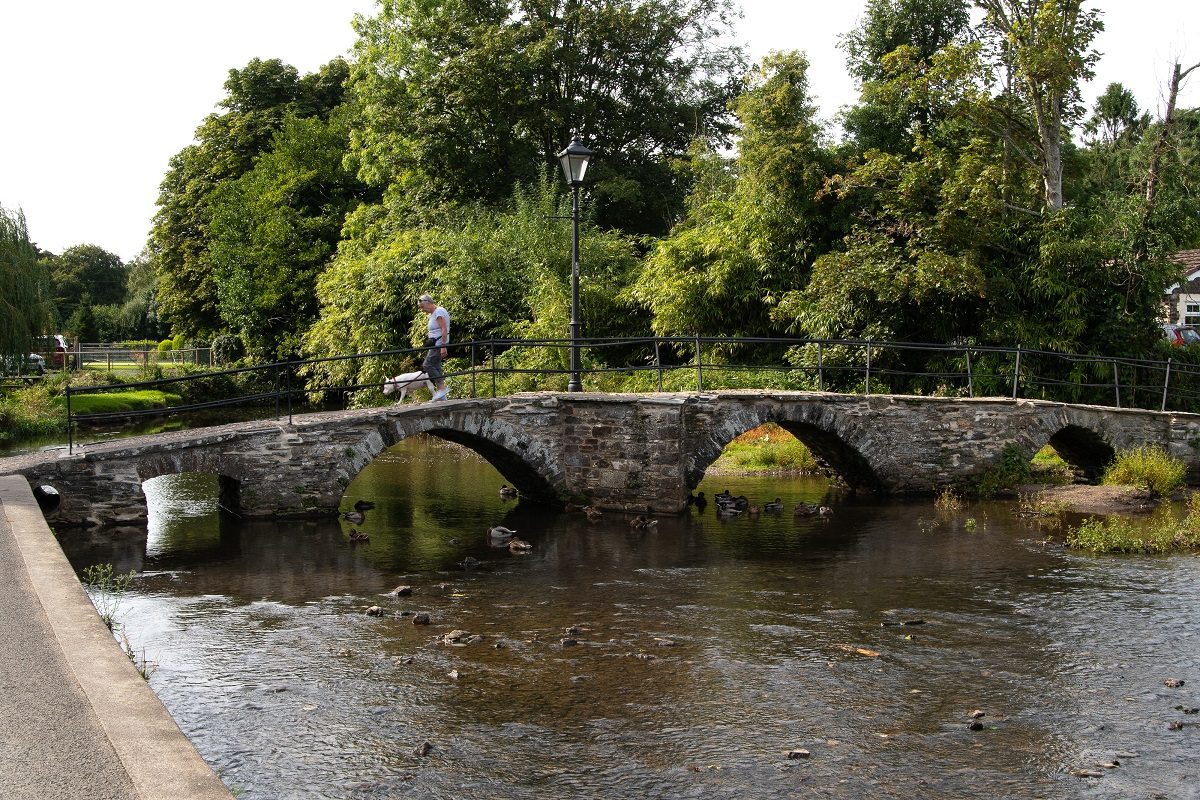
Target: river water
707,649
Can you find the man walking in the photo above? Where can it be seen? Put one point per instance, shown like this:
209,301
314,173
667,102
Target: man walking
436,339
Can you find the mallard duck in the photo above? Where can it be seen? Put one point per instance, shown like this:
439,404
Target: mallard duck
637,522
363,505
806,510
507,491
358,536
593,513
571,507
825,511
355,517
698,500
773,507
519,546
499,533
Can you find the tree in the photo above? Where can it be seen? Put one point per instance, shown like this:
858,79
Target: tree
501,273
259,98
462,101
754,226
1115,115
85,274
1045,45
24,289
274,228
919,28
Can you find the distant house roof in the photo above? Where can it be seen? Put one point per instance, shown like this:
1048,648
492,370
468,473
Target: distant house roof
1189,261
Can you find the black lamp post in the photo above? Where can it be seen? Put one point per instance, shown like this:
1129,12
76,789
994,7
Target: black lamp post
574,159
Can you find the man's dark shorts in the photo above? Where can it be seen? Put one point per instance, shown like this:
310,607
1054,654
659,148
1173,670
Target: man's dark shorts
433,360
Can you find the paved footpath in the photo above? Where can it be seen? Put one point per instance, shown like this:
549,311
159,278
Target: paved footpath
77,721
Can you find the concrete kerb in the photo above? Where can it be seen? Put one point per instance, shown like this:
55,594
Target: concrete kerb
159,759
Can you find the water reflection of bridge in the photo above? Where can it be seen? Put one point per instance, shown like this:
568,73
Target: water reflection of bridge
632,452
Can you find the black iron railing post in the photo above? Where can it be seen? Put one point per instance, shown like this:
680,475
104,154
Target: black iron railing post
1166,383
868,366
820,368
70,422
287,377
492,347
658,362
472,370
699,368
1016,373
970,377
1117,381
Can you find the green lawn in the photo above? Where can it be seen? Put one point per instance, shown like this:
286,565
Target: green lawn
115,402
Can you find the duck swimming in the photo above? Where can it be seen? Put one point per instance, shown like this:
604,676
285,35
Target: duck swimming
773,507
499,533
358,537
507,491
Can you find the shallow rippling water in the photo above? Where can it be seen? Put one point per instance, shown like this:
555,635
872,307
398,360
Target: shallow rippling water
709,649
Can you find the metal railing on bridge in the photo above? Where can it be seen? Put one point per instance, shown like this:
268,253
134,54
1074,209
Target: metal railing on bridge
676,364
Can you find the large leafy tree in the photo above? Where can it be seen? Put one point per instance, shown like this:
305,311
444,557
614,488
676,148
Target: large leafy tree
24,288
1045,45
274,228
754,225
463,100
259,98
501,272
886,119
84,275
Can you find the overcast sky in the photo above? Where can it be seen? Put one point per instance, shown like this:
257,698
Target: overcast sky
99,95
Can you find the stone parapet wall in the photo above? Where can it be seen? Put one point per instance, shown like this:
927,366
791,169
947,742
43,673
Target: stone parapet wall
629,452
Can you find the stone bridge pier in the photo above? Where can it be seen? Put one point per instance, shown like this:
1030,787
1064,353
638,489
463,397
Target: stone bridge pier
640,453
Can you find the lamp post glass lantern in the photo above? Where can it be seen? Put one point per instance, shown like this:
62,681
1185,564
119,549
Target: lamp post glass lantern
574,159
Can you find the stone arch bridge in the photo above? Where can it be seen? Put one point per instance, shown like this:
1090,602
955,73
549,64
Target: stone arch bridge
618,451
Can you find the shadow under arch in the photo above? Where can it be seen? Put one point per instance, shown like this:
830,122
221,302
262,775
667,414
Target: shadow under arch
523,476
1084,450
835,455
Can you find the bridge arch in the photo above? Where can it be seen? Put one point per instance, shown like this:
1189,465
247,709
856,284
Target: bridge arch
1085,450
827,435
527,465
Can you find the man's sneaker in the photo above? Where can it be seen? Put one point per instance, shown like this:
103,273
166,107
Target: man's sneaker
441,394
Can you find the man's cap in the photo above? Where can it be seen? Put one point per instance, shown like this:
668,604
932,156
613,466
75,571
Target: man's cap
424,299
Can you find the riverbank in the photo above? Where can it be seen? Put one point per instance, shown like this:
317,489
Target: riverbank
76,718
1102,499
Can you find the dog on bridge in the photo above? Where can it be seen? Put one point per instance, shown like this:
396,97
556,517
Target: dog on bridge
406,381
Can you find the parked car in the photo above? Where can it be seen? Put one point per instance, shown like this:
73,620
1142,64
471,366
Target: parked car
1181,335
58,350
34,365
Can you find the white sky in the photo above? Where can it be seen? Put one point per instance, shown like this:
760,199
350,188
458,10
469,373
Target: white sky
99,95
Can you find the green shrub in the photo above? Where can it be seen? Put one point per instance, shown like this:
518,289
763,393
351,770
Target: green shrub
166,345
1148,467
1010,472
179,342
28,413
226,349
1160,534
